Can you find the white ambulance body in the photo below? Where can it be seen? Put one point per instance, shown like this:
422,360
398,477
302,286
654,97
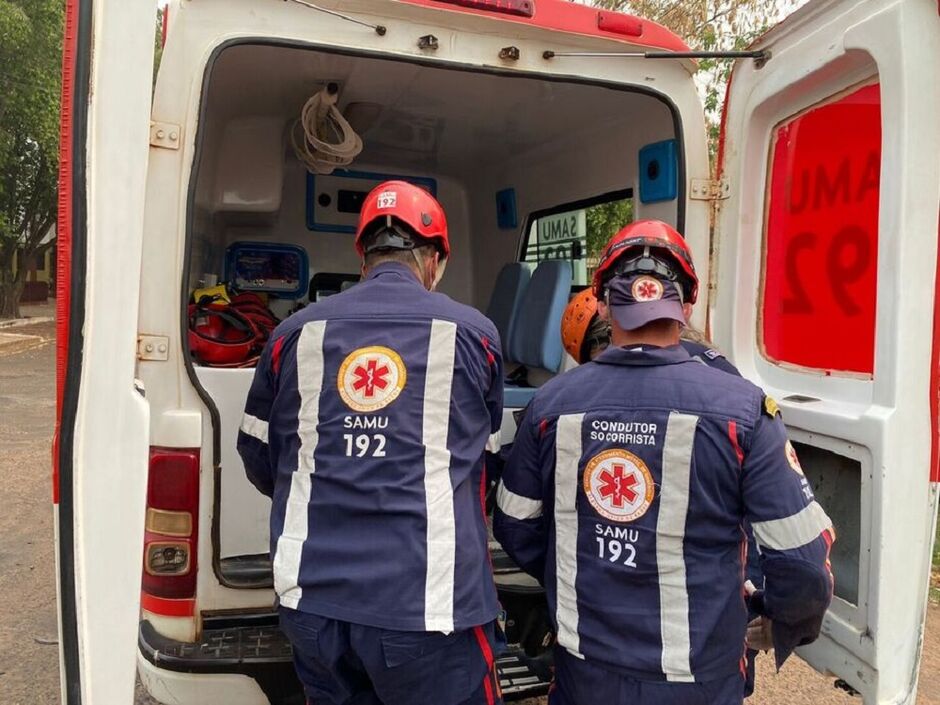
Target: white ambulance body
821,273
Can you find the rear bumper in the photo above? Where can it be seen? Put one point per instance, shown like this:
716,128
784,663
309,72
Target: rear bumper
252,648
246,660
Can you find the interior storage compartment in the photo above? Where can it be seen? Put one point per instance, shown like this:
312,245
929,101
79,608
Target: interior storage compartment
493,147
837,483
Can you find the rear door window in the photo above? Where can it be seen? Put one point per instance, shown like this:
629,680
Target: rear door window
821,235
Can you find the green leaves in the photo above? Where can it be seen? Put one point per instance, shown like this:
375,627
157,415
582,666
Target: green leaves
30,75
710,25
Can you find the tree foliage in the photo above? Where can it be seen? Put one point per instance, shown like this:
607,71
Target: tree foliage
30,60
710,25
603,221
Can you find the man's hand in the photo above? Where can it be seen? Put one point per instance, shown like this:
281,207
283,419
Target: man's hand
760,634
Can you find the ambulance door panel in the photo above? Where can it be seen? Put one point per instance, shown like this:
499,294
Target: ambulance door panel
105,435
824,272
243,519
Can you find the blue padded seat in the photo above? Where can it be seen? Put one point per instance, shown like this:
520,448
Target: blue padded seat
517,397
506,298
536,335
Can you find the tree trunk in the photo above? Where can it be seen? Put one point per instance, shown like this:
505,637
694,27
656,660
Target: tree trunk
11,288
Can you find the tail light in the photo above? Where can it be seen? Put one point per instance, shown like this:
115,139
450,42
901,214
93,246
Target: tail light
172,528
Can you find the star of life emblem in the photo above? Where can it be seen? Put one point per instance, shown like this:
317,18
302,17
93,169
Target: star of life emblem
618,484
647,289
387,199
371,378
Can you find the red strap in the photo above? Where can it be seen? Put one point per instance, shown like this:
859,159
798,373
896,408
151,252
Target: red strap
276,355
484,644
733,435
490,357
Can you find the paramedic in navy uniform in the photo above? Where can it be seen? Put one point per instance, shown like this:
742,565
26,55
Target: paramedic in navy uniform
626,491
366,424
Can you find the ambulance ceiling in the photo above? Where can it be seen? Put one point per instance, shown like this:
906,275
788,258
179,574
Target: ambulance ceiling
424,118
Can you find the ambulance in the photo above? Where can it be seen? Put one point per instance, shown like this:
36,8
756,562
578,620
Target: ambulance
542,126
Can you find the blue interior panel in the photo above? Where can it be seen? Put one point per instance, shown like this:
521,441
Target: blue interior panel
506,209
334,200
658,172
263,267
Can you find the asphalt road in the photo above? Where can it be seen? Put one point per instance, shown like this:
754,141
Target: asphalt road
28,640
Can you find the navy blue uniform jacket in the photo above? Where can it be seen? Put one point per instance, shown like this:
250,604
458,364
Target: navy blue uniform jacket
366,424
625,494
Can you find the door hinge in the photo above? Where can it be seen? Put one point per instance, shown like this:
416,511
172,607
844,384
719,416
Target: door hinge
153,347
165,135
710,189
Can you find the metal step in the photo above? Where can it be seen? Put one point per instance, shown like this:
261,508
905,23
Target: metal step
256,646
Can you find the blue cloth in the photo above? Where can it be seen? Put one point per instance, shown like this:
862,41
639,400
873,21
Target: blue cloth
340,663
579,682
656,518
366,423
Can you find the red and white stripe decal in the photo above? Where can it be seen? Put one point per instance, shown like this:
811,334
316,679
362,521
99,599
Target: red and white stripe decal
165,25
64,226
935,382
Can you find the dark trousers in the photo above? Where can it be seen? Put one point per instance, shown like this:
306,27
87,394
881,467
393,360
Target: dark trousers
340,663
580,682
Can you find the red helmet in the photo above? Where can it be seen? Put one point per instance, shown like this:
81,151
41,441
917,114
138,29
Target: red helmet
220,336
409,205
669,244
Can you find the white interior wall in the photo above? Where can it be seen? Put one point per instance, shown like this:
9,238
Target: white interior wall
335,252
553,142
558,174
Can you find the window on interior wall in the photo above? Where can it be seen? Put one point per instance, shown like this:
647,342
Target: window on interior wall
821,235
577,232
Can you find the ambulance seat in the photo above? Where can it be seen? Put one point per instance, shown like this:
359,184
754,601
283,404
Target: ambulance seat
536,336
506,298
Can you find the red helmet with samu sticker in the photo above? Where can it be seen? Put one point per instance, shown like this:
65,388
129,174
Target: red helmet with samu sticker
397,203
656,235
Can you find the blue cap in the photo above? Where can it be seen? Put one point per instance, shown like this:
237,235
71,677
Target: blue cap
638,299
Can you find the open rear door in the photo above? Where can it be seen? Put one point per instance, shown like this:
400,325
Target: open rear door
825,264
100,452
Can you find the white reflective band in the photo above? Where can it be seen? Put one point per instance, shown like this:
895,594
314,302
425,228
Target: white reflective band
290,543
792,531
255,427
492,443
670,539
438,490
517,506
567,458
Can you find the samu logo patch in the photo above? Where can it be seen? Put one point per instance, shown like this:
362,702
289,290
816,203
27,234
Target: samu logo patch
371,378
619,485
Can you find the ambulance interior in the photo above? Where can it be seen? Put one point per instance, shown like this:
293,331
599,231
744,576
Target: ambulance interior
504,155
500,152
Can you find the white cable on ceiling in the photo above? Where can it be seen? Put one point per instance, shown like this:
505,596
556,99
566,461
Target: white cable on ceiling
321,137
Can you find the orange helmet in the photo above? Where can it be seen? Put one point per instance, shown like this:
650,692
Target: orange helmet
394,203
575,324
651,234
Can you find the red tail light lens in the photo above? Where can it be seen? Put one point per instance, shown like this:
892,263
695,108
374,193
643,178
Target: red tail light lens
172,530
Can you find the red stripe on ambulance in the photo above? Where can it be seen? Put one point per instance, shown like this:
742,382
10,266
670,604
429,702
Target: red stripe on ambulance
64,226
